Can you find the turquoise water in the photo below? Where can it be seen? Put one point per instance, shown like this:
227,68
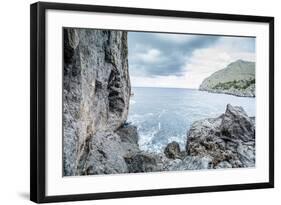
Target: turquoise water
163,115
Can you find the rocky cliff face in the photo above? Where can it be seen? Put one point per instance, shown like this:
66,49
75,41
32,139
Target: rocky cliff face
95,98
228,141
238,78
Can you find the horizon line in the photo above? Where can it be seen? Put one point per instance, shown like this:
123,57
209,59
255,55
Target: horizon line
164,87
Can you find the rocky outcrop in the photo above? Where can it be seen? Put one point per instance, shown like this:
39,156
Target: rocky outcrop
228,141
103,154
176,160
238,78
96,91
106,152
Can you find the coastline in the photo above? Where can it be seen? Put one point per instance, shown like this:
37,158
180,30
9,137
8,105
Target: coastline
96,104
227,93
210,144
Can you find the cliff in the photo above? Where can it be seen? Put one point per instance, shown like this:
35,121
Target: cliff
96,91
238,78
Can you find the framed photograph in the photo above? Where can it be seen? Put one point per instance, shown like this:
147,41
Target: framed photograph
129,102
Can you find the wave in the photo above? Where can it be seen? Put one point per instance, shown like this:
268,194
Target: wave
146,141
159,126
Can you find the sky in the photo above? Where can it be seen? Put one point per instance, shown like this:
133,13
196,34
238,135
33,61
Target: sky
182,60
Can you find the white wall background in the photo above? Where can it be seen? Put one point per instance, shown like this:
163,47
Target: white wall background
14,108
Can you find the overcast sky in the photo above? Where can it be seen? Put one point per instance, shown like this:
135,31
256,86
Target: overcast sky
181,60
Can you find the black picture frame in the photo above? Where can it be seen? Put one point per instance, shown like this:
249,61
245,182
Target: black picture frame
38,100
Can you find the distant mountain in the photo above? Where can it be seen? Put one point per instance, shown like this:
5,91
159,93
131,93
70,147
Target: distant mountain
238,78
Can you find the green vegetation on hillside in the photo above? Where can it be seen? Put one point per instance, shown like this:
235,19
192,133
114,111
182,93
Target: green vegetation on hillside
236,84
237,78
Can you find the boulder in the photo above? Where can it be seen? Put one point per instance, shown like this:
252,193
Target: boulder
237,125
141,162
228,140
105,152
172,150
187,163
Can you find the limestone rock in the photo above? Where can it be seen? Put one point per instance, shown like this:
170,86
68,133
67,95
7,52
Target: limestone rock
141,162
188,163
229,140
236,124
128,133
96,90
173,151
103,155
105,152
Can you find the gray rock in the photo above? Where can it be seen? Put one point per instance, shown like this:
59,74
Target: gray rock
224,164
172,150
106,152
128,133
141,162
188,163
237,125
103,155
96,91
229,140
129,138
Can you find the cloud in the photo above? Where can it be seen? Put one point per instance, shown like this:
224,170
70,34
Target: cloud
158,54
206,61
177,60
150,56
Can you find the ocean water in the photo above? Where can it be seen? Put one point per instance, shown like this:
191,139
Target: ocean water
163,115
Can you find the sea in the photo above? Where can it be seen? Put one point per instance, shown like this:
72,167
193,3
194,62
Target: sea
163,115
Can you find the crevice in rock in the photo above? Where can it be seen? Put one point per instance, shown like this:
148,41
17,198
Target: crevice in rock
115,98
